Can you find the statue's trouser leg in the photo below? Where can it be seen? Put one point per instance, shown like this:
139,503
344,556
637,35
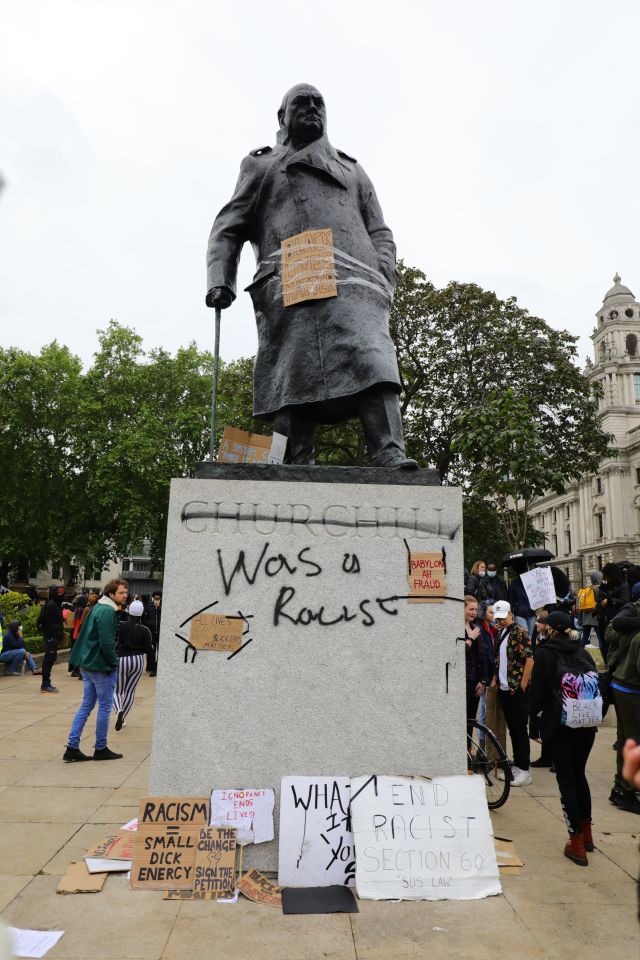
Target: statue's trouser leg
300,431
379,410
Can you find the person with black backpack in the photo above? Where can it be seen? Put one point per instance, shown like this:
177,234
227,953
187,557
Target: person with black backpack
132,643
566,703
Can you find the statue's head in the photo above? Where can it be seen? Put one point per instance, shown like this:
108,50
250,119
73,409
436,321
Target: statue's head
302,115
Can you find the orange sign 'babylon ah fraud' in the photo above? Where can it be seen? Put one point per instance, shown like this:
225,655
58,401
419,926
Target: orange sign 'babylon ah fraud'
427,578
307,267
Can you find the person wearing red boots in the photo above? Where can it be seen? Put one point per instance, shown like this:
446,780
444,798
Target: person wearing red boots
562,668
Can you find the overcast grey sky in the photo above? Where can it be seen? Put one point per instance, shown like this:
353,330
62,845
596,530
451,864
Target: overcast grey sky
503,139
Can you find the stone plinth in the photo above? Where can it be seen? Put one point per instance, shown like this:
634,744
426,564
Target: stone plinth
342,675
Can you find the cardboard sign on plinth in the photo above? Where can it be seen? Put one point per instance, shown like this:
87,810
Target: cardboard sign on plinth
166,841
255,886
213,631
427,578
215,863
240,446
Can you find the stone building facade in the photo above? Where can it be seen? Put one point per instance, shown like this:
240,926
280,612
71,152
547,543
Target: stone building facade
597,519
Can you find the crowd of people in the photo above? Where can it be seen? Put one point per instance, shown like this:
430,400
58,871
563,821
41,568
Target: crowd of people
529,672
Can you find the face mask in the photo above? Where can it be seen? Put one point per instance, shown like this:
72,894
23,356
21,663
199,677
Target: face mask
492,573
482,573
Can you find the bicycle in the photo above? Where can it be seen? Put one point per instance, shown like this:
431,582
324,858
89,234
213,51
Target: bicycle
486,756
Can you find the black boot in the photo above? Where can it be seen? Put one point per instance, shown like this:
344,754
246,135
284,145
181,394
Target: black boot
106,754
73,755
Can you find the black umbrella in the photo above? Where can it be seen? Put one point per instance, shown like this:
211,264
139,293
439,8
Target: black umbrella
528,556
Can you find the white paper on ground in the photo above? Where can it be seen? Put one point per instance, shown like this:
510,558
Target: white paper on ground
33,943
131,825
316,843
100,865
420,839
233,899
247,809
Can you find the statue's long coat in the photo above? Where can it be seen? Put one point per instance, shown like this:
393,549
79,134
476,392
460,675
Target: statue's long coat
321,349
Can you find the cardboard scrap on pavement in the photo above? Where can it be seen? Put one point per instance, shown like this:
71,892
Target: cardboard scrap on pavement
427,578
508,860
255,886
77,879
213,631
221,896
240,446
119,846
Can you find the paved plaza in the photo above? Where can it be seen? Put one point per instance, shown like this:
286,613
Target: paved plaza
50,812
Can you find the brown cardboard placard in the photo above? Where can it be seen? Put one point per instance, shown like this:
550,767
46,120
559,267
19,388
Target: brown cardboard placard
165,842
426,578
164,857
77,879
307,267
240,446
506,854
195,895
190,811
117,847
255,886
214,631
215,865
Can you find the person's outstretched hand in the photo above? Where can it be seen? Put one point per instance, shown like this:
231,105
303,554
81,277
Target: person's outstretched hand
631,767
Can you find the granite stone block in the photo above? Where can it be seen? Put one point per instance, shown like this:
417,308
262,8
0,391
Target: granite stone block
340,673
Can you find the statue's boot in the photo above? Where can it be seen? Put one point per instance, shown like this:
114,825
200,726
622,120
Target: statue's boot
379,410
300,431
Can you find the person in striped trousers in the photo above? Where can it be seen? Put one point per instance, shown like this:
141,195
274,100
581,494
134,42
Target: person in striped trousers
133,642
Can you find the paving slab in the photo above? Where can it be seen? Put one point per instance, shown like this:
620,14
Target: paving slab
245,929
465,930
12,771
27,847
103,773
11,885
561,927
18,747
116,924
74,849
47,805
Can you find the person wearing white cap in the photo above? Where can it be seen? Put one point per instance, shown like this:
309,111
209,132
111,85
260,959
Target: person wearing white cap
515,665
134,641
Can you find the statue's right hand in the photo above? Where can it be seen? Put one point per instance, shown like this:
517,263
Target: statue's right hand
220,297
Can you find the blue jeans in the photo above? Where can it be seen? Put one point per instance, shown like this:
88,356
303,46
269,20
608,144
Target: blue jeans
527,622
98,686
13,658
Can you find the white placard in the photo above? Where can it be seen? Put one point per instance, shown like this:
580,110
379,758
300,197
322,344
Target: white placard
278,448
33,943
250,811
539,587
421,839
316,842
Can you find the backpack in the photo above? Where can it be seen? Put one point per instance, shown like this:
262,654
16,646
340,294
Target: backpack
586,599
578,692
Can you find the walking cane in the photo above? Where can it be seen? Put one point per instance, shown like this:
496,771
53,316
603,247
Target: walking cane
214,398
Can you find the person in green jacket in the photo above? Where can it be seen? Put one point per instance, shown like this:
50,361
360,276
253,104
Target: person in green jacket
94,653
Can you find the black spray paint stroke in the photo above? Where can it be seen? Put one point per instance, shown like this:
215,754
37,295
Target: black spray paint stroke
197,613
366,784
434,529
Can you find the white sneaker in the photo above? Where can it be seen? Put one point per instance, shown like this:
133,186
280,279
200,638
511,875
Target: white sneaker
500,774
521,778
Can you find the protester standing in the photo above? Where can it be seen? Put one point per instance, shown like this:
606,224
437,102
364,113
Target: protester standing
623,637
477,670
133,642
518,600
495,584
477,584
570,747
515,663
95,654
613,593
151,619
51,625
587,604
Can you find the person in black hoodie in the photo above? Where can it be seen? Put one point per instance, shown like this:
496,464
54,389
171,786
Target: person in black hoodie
569,747
132,642
613,593
51,625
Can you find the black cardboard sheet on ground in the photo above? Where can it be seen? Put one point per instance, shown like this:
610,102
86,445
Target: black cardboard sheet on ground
333,899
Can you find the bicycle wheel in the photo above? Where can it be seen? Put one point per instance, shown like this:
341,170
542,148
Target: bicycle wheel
486,757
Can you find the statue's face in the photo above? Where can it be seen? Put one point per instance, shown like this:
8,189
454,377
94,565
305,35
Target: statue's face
307,116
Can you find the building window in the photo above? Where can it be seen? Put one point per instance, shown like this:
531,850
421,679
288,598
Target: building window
637,474
568,542
598,484
636,387
600,525
631,343
599,561
555,544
